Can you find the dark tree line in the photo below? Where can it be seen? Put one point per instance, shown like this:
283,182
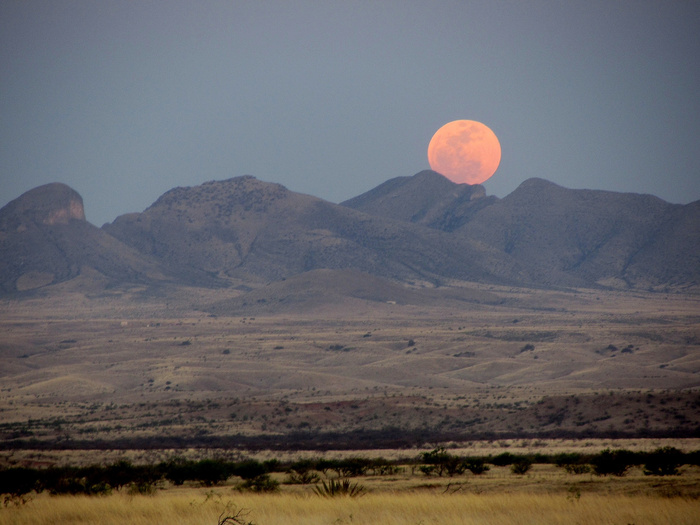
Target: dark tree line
15,482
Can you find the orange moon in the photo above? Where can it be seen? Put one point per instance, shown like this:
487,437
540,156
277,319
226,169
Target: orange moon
465,151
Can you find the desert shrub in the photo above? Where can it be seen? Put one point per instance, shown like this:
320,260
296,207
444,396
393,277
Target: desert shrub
302,473
429,470
572,463
238,517
663,462
521,466
148,474
120,474
76,485
210,472
90,481
504,459
382,467
476,466
142,488
324,465
16,483
178,470
336,488
261,483
272,465
567,458
302,478
576,468
439,461
249,470
693,458
615,462
351,467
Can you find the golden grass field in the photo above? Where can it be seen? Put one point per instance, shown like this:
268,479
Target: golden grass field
545,496
386,509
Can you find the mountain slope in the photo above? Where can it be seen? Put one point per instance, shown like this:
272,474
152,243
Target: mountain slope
248,229
422,230
427,198
44,239
584,237
558,236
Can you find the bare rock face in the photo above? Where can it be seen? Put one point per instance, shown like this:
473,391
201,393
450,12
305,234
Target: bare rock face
45,240
49,204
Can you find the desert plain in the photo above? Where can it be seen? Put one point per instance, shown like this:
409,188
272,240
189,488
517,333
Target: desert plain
146,374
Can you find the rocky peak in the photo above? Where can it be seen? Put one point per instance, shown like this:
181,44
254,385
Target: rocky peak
54,203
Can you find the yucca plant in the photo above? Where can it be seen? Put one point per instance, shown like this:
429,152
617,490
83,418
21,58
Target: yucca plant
339,488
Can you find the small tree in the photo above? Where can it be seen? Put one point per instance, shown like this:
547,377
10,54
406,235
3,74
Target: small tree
441,462
476,466
615,462
262,483
521,466
210,472
663,462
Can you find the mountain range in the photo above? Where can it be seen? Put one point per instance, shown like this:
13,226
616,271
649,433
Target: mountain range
420,231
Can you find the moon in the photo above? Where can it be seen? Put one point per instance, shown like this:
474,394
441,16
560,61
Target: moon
465,151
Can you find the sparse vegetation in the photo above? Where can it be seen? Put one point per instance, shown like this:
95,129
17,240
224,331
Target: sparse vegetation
339,487
663,462
521,466
615,462
173,427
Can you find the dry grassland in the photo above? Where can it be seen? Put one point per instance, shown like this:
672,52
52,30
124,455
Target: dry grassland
546,496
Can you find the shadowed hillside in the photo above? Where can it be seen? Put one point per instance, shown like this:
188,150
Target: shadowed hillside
247,229
44,239
586,237
557,236
420,231
427,198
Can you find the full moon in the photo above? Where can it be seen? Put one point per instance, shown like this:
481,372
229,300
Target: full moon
465,151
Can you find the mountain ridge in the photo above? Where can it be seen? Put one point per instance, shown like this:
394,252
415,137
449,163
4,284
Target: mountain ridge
422,230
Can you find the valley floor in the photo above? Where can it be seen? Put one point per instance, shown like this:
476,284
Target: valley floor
140,369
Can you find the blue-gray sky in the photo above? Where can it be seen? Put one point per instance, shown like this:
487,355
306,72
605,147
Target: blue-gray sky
125,100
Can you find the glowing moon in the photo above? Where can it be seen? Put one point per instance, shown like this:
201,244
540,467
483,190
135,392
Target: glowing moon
465,151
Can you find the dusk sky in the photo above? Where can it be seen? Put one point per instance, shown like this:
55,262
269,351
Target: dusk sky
124,100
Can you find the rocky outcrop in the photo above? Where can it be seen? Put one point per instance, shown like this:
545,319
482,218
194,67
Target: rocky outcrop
45,239
49,204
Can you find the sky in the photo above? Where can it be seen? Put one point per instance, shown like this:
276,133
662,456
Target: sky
124,100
